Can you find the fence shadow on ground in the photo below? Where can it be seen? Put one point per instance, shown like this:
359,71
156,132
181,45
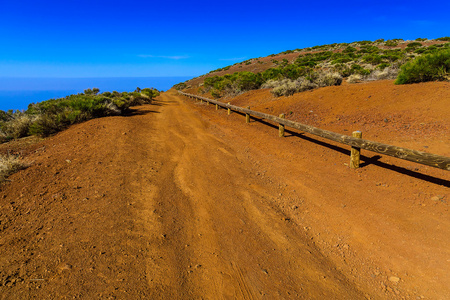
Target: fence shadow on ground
373,160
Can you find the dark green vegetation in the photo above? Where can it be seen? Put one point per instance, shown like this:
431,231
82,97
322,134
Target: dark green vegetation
430,67
54,115
323,65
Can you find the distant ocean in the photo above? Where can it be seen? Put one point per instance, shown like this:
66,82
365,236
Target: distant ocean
17,93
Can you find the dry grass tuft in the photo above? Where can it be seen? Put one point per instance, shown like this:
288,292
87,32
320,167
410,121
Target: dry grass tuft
387,73
18,127
10,164
354,78
288,87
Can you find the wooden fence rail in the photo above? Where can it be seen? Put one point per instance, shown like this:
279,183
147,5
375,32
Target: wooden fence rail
433,160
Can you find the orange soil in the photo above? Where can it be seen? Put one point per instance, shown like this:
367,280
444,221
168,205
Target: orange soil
178,200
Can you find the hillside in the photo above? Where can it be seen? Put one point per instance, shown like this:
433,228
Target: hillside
319,66
178,200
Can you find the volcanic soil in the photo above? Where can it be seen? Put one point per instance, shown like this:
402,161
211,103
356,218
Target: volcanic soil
177,200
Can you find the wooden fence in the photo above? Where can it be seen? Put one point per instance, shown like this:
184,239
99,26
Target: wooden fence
355,141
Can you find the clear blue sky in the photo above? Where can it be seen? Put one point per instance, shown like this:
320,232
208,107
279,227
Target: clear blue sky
80,38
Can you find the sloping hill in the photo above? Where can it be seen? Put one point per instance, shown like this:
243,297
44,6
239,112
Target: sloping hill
358,61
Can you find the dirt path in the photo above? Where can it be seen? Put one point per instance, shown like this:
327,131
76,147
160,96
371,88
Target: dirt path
178,201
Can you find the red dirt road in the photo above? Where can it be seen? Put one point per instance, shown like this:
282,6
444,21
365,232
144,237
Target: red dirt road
179,201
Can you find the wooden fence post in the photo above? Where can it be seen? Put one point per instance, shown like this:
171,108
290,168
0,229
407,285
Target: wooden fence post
229,109
355,152
247,116
281,127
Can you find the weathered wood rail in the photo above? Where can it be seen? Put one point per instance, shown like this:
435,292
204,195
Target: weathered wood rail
433,160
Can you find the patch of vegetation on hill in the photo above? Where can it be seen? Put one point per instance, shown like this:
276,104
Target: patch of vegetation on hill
431,67
357,61
54,115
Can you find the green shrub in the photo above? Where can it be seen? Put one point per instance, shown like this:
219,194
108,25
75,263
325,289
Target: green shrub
215,93
382,66
180,86
429,67
349,49
358,69
444,39
391,43
368,49
374,59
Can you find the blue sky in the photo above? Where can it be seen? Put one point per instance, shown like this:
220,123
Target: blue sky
79,38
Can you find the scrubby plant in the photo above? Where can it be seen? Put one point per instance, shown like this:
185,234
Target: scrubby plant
382,74
180,86
354,78
444,39
329,79
17,126
215,93
429,67
10,164
414,45
286,87
391,43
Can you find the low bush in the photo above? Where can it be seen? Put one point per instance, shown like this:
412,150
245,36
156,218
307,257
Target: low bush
288,87
382,74
17,126
354,78
414,45
10,164
391,43
329,79
180,86
429,67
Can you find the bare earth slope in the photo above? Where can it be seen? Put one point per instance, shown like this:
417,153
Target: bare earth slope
179,201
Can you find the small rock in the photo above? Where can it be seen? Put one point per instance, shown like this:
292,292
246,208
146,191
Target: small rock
64,267
394,279
68,161
435,198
